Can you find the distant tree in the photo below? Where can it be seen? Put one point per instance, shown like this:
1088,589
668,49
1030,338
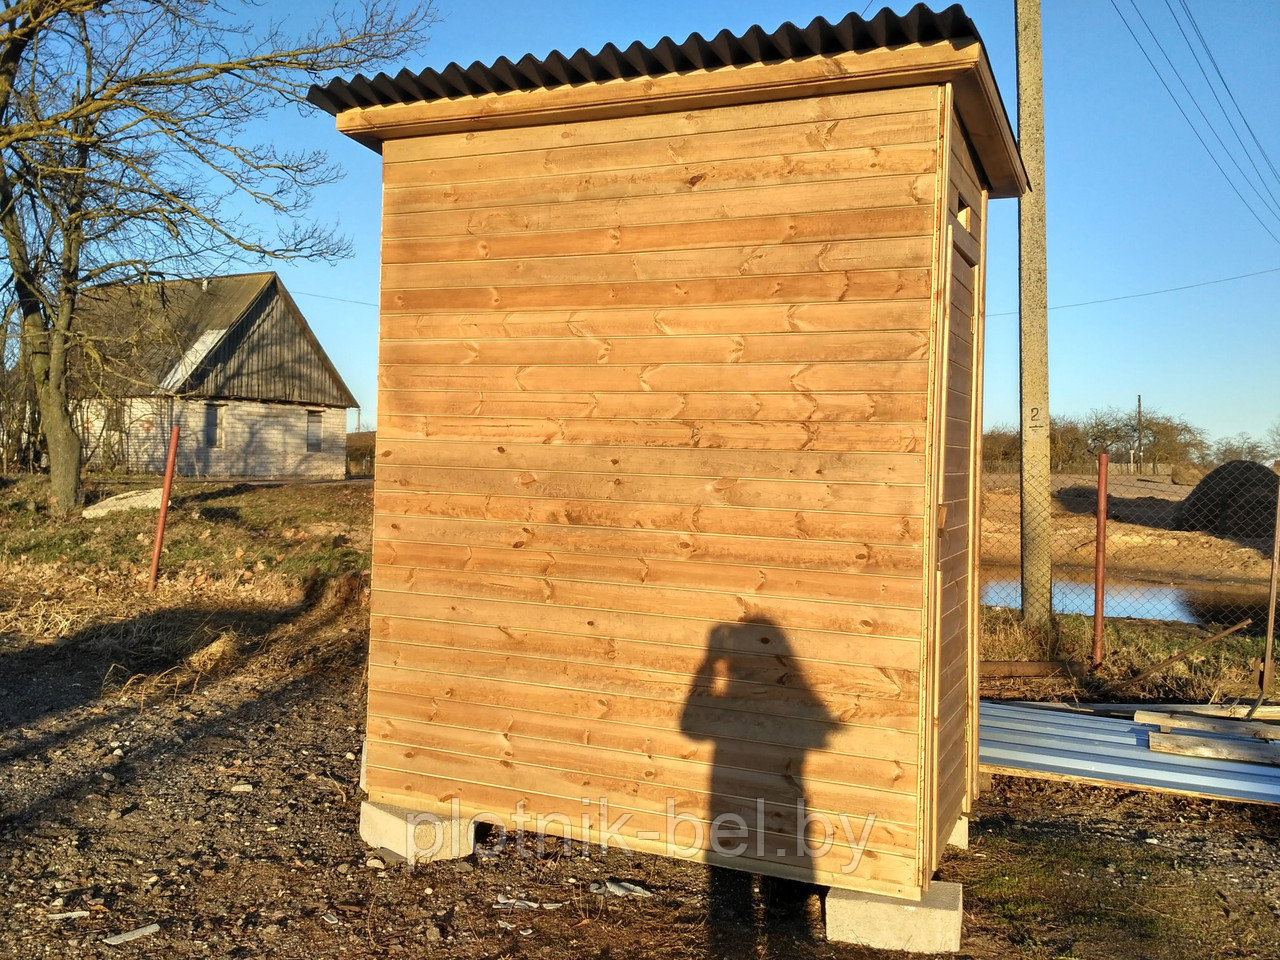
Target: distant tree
1001,448
1171,440
1109,431
1069,446
123,155
1272,440
1239,446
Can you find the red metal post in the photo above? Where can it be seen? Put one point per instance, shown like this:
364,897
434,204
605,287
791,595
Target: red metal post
1100,562
1268,655
164,508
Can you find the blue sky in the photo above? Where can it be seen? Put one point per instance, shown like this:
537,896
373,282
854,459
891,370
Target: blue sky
1135,203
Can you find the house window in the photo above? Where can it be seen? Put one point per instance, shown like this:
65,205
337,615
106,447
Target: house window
213,424
315,430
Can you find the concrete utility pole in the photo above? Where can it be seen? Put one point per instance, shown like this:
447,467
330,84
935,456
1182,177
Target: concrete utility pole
1033,270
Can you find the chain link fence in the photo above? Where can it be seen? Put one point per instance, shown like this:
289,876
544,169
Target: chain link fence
1185,544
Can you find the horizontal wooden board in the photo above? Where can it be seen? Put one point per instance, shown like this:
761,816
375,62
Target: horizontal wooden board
732,578
677,518
696,434
399,222
859,345
510,743
696,794
804,112
780,228
805,378
647,169
534,678
734,789
1167,721
1215,748
825,287
728,408
834,615
839,557
857,736
740,320
731,260
858,467
894,875
842,758
798,661
779,684
859,498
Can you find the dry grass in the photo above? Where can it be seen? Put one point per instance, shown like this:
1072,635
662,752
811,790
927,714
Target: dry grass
193,628
1218,671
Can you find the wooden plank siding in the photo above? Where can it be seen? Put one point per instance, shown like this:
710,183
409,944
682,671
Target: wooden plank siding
653,456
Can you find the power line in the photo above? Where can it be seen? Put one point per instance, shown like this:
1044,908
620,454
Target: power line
321,296
1169,90
1148,293
1235,129
1213,61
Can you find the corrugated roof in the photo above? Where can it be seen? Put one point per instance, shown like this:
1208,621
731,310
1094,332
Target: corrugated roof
142,330
820,38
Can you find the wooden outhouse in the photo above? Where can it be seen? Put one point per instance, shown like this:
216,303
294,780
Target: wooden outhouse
677,456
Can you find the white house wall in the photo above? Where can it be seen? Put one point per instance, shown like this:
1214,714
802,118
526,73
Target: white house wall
267,440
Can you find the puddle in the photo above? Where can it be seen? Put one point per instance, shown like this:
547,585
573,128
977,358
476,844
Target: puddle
1199,604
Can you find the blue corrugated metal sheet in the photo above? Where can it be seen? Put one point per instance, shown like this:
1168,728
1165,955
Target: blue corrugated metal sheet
1040,738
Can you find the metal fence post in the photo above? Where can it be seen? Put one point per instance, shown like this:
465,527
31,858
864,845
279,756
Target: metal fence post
164,508
1268,664
1100,562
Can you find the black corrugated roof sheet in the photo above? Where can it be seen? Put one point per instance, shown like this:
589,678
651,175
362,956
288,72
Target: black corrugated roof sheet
789,42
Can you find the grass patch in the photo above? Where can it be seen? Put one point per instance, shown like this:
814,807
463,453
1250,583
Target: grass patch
1053,897
1217,671
217,529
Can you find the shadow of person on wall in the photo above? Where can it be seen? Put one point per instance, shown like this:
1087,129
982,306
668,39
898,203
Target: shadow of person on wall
750,698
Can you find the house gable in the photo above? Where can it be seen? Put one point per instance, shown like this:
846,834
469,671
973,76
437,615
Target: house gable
269,353
235,337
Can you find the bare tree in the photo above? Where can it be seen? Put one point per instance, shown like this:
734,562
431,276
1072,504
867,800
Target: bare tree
124,155
1239,446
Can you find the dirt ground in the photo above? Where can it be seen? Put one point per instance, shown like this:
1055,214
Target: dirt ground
190,759
1141,542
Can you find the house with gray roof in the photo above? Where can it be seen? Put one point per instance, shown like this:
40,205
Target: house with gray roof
230,360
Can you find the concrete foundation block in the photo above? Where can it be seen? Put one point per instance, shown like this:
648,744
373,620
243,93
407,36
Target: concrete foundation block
959,834
418,837
929,925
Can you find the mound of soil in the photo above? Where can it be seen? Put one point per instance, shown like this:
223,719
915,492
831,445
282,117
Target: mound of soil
1237,499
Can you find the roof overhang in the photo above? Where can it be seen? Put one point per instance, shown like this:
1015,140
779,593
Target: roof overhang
961,63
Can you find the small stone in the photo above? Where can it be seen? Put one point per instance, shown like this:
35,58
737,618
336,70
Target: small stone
242,788
375,863
433,933
461,866
350,756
